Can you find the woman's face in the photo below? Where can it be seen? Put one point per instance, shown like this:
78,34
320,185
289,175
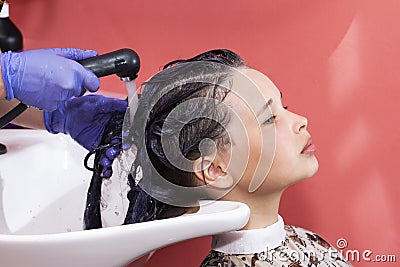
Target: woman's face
268,135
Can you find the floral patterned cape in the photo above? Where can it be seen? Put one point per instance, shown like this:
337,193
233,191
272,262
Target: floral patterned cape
300,248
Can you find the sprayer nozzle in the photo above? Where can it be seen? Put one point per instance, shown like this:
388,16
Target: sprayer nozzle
124,62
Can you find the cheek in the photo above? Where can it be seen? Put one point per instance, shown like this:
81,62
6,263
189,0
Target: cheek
260,154
285,146
245,155
285,158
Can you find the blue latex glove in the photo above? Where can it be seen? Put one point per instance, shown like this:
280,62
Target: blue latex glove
84,118
45,78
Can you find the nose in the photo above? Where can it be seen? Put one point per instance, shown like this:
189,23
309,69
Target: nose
300,124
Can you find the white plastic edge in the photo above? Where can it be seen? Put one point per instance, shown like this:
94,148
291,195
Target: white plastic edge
4,11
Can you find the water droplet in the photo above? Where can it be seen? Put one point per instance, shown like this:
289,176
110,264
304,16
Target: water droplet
103,204
107,182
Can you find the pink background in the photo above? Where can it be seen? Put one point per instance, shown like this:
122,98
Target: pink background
336,62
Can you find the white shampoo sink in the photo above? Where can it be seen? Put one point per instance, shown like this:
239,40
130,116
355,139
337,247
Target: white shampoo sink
43,187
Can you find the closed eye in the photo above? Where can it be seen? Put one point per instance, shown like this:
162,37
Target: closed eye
270,120
273,117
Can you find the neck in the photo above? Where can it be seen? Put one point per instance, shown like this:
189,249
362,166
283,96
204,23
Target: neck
263,209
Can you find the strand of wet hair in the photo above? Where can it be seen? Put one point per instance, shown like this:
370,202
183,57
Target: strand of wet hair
142,207
102,169
222,56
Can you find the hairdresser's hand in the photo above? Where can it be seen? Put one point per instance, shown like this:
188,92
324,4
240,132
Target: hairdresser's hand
84,118
46,78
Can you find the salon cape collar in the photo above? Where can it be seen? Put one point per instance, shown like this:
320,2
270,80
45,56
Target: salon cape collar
250,241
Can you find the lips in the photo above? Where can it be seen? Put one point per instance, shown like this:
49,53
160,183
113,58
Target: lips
309,148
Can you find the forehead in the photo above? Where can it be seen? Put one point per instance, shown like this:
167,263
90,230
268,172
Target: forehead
253,88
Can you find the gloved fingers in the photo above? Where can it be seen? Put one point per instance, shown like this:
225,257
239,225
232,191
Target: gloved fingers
74,53
126,146
90,82
114,104
87,103
69,92
112,153
107,173
106,162
83,79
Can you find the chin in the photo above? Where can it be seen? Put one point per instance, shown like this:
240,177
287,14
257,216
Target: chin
312,167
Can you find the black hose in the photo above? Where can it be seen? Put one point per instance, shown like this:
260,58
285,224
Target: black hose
12,114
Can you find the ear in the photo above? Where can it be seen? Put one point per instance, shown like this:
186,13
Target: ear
214,172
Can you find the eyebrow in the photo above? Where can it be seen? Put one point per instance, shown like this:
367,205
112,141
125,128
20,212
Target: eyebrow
269,102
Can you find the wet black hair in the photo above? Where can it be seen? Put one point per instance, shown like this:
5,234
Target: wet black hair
178,82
